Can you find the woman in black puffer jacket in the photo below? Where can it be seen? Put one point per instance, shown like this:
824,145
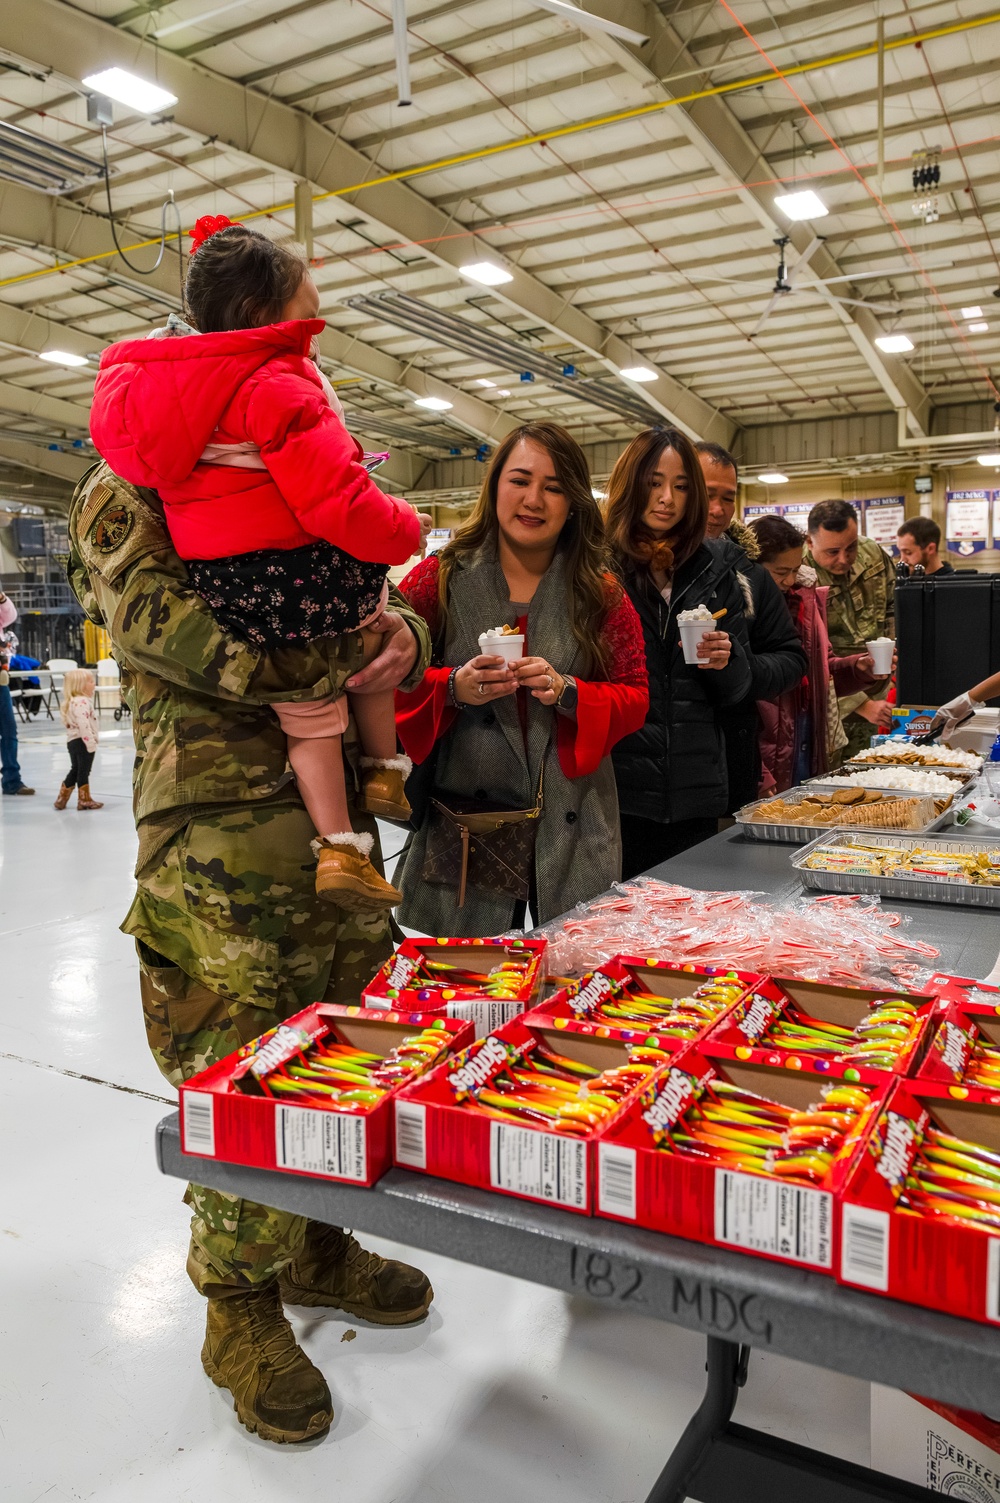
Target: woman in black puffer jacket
671,774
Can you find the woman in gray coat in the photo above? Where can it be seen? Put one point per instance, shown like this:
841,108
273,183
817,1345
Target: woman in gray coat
530,556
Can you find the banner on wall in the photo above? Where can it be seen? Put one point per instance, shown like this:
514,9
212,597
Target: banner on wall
967,521
884,516
996,519
750,512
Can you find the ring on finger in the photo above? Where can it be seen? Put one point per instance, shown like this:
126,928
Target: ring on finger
482,688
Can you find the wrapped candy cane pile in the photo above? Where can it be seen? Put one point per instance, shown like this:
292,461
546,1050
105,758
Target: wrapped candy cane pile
844,940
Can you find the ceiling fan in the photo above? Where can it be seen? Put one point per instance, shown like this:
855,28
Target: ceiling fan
584,19
785,283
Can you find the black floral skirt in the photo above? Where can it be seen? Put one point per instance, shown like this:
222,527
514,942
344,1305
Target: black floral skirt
280,596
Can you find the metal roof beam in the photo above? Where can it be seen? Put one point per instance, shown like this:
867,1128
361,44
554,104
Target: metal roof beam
716,131
28,455
211,105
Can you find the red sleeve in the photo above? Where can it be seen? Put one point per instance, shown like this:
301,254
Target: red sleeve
423,714
607,711
315,464
847,677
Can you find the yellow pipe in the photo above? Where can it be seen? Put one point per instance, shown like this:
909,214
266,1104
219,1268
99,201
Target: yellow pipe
636,112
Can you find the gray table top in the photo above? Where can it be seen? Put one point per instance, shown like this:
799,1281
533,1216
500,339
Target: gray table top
743,1299
787,1310
968,938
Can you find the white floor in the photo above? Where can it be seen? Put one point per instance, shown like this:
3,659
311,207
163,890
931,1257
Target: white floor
507,1391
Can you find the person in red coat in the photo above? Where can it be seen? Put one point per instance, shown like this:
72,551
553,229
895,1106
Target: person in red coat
801,731
530,557
267,498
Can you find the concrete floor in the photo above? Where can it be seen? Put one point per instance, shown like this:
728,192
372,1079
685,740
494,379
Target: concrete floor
506,1391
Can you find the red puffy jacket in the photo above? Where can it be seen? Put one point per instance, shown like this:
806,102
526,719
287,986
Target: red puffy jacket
159,402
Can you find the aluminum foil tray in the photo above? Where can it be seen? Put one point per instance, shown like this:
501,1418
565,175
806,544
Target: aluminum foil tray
911,888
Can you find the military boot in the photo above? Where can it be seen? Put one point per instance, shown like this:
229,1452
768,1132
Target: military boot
251,1350
332,1269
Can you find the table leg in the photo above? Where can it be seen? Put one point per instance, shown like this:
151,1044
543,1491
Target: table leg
727,1373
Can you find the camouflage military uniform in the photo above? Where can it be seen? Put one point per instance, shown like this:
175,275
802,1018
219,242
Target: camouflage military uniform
230,935
860,607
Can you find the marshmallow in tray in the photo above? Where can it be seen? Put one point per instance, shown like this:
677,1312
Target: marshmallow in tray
700,616
907,753
897,777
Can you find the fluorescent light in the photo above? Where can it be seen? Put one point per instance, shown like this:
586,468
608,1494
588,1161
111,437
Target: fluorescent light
502,391
482,381
772,477
486,273
894,344
126,88
972,312
433,404
980,328
62,357
805,205
988,459
638,373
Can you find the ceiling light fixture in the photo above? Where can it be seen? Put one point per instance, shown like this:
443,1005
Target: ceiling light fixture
482,381
804,205
894,344
980,328
502,391
126,88
638,373
62,357
487,273
434,404
772,477
972,312
989,459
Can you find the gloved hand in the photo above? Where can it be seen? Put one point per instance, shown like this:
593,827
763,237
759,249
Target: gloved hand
949,715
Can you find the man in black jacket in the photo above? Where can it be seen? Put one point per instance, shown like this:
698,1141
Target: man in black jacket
777,661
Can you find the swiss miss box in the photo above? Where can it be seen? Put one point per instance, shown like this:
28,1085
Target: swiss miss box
315,1094
739,1155
921,1209
669,1003
521,1110
487,981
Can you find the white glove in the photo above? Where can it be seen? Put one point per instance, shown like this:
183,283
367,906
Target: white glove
956,710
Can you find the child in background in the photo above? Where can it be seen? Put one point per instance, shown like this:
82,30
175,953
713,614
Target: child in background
266,496
80,720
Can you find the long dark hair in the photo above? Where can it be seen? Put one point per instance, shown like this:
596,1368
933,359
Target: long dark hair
628,497
239,279
775,536
590,590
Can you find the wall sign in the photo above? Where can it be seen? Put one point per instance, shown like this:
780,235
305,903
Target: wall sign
884,517
968,521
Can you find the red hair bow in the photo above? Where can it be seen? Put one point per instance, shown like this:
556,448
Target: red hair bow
207,226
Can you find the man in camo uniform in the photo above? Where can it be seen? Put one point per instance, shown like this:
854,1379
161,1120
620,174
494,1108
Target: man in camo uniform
230,935
861,607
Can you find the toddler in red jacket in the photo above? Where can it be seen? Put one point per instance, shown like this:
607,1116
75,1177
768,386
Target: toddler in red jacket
267,498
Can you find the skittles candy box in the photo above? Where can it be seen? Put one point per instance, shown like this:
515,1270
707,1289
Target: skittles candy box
486,982
842,1032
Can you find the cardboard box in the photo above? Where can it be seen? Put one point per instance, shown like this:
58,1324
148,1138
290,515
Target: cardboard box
742,1034
226,1113
438,1135
946,1450
405,979
624,976
676,1192
941,1263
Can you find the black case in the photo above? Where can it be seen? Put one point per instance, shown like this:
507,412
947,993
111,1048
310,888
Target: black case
947,636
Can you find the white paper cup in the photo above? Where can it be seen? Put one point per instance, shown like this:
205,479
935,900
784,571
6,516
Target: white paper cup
511,649
881,654
692,633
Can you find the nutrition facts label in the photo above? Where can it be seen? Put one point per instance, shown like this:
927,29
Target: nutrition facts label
786,1220
539,1164
330,1143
